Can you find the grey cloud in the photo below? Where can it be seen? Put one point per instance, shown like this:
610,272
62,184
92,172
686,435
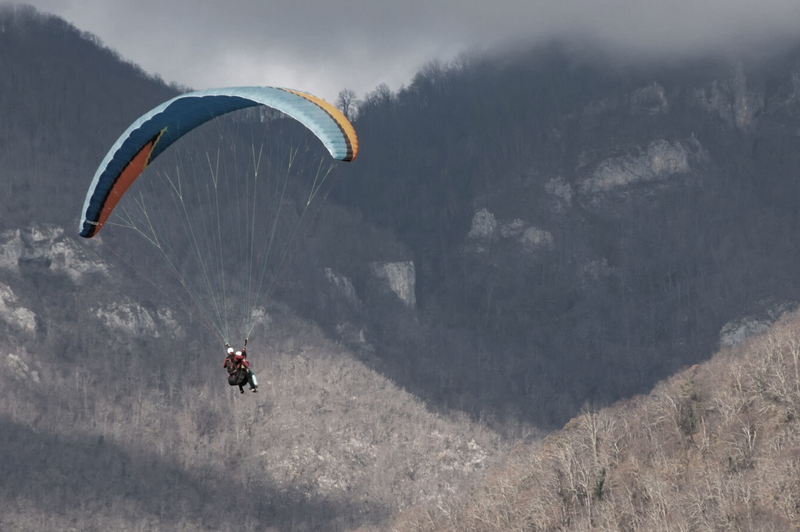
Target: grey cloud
324,46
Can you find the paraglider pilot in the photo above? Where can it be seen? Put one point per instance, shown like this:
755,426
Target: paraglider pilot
238,367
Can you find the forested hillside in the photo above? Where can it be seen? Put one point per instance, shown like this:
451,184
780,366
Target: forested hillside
524,238
65,98
581,226
715,447
115,412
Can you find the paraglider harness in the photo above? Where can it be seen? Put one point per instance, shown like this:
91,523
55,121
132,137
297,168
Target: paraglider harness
238,368
237,376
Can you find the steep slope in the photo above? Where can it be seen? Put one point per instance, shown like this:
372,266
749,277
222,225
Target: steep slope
520,236
64,95
135,428
114,410
582,226
715,447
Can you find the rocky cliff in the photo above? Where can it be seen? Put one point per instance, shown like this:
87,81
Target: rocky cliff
594,224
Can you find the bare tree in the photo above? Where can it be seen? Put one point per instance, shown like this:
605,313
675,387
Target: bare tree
347,103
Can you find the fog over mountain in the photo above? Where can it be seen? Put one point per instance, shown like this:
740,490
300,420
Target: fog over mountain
528,235
325,47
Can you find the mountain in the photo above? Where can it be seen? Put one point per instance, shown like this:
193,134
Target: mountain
581,226
524,237
714,447
65,95
114,407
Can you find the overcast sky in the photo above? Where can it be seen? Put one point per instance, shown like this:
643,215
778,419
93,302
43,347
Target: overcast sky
323,46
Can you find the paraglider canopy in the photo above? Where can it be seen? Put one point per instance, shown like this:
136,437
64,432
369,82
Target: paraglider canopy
221,210
159,128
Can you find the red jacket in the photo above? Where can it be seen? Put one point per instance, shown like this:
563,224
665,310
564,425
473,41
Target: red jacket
233,362
241,361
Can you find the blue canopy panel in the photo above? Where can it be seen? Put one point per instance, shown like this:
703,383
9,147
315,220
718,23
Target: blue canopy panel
156,130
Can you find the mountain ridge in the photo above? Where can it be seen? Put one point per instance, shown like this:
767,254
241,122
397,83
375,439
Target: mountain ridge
714,446
574,232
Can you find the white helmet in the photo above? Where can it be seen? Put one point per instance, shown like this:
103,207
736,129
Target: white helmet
230,350
238,353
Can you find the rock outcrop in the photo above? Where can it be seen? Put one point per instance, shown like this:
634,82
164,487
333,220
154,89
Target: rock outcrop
562,191
737,331
342,285
15,315
649,100
22,369
732,100
132,319
400,279
482,232
660,160
529,239
47,247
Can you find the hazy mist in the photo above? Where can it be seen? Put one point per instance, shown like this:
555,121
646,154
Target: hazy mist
326,46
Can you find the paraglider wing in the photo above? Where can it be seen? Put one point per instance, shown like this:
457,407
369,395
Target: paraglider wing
156,130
